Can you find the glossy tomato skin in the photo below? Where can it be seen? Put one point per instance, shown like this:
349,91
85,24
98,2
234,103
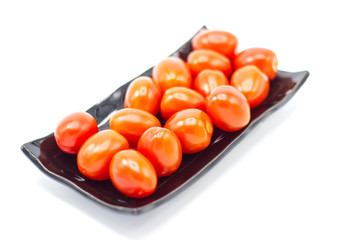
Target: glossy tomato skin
74,130
263,58
143,93
132,174
253,83
209,79
179,98
163,149
228,108
95,154
172,72
201,59
132,123
194,129
220,41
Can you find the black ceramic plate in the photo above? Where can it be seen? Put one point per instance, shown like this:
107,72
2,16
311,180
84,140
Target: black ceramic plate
45,154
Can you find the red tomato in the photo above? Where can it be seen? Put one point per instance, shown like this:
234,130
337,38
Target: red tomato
73,130
172,72
220,41
209,79
253,83
132,123
162,147
263,58
132,174
96,153
199,60
179,98
143,93
193,127
228,108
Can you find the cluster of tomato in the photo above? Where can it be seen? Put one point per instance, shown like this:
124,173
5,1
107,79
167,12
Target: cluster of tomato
216,86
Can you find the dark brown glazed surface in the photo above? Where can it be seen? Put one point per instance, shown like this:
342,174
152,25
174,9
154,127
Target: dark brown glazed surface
45,154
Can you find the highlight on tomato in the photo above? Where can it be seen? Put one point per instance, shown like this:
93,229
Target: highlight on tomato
253,83
263,58
179,98
193,127
132,123
95,154
209,79
74,130
132,174
228,108
202,59
171,72
163,149
220,41
143,93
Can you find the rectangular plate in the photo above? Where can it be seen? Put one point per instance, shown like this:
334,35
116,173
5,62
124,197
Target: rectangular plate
46,155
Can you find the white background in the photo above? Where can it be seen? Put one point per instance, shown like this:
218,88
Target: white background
296,176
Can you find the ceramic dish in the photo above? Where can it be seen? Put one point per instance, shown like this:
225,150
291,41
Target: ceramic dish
45,154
